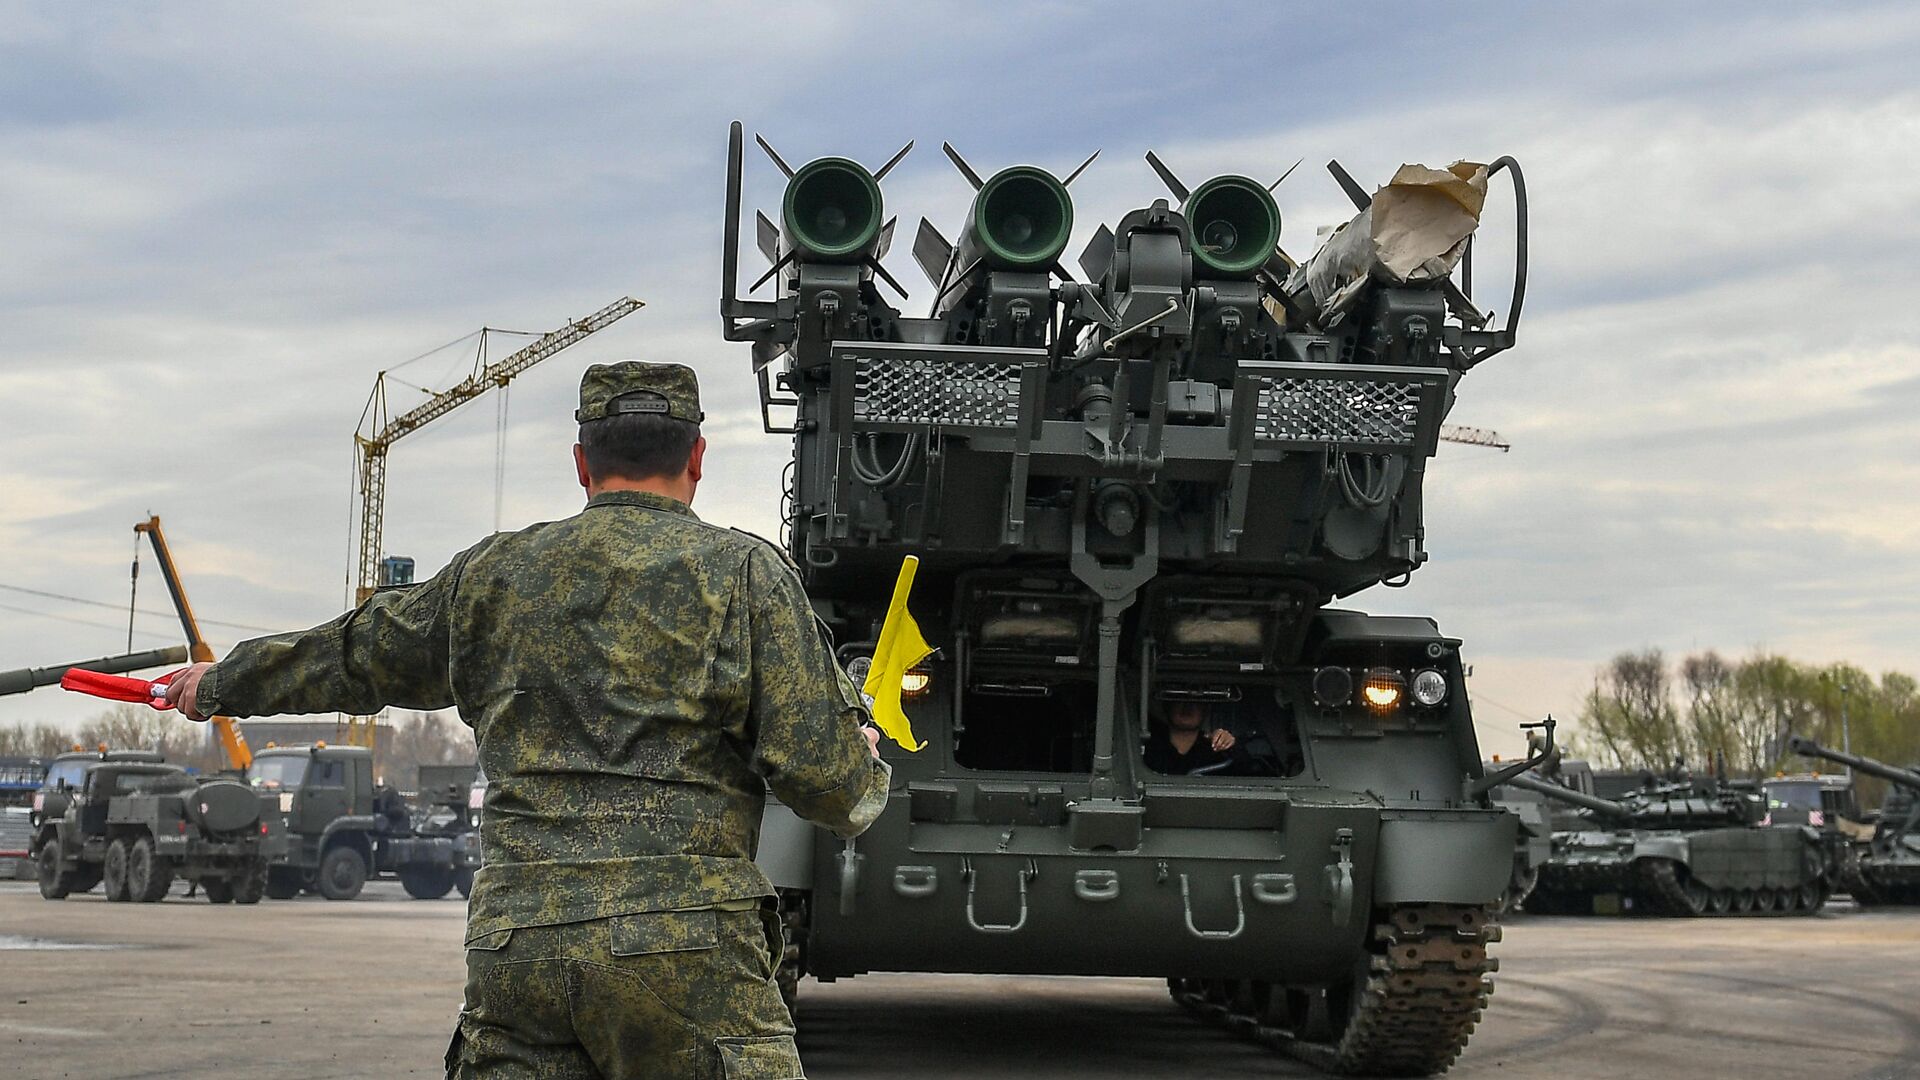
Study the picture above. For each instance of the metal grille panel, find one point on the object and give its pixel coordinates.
(917, 391)
(1338, 411)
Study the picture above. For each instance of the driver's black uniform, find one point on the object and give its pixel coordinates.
(1162, 758)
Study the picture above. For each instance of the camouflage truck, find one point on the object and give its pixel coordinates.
(343, 829)
(1135, 494)
(135, 826)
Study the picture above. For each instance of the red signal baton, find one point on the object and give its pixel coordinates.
(152, 692)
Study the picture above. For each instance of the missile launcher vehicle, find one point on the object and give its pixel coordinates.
(1677, 849)
(1885, 869)
(134, 826)
(1135, 493)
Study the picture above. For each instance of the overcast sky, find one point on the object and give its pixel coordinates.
(218, 222)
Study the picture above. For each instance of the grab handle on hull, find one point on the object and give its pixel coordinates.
(1027, 873)
(915, 882)
(1096, 886)
(1239, 912)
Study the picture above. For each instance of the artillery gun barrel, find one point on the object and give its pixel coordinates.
(1594, 803)
(24, 679)
(1809, 748)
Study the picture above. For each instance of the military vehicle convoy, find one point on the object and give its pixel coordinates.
(1677, 848)
(134, 826)
(342, 828)
(1135, 495)
(1885, 869)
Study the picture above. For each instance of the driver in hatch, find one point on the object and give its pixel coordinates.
(1186, 745)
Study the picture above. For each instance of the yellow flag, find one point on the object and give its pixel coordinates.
(900, 647)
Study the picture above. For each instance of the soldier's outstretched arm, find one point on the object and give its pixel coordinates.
(806, 712)
(391, 650)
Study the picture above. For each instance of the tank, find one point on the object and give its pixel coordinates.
(1677, 849)
(1885, 868)
(1136, 493)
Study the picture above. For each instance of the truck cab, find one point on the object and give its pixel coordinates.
(67, 773)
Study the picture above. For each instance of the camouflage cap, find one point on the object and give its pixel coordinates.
(633, 387)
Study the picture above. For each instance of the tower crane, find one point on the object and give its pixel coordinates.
(1473, 436)
(379, 430)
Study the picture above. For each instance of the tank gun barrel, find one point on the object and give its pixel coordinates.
(1605, 807)
(24, 679)
(1809, 748)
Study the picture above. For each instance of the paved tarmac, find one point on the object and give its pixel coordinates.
(310, 989)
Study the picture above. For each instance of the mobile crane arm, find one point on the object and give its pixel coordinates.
(232, 743)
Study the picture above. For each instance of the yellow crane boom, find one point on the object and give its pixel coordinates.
(232, 743)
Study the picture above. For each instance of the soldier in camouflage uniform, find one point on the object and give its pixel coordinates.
(636, 679)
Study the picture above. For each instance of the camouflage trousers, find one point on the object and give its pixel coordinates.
(664, 994)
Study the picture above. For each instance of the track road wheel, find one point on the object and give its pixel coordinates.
(115, 873)
(149, 875)
(463, 880)
(250, 882)
(428, 883)
(1743, 902)
(219, 890)
(342, 874)
(55, 883)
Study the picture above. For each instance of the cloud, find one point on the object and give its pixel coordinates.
(220, 228)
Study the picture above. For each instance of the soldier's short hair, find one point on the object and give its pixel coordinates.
(637, 445)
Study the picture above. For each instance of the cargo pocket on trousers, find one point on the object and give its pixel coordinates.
(766, 1057)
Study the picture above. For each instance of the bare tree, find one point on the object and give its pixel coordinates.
(426, 739)
(127, 726)
(1630, 710)
(35, 740)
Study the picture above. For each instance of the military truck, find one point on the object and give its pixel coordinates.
(1134, 494)
(135, 826)
(1679, 848)
(1885, 867)
(342, 828)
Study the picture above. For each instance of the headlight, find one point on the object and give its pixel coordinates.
(857, 669)
(915, 683)
(1429, 687)
(1383, 688)
(1333, 686)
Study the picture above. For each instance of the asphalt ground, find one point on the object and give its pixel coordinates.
(310, 989)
